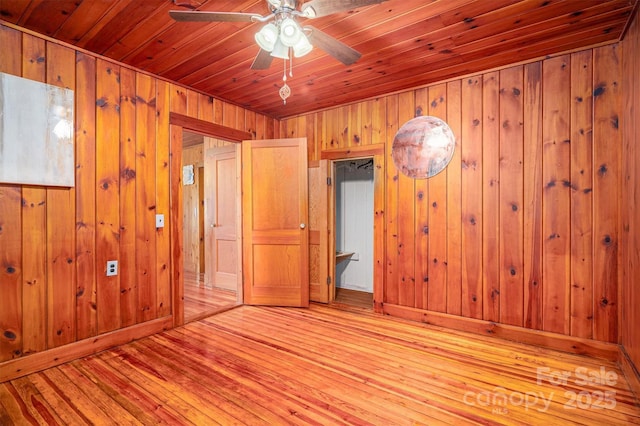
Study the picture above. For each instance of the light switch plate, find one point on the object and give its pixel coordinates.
(159, 221)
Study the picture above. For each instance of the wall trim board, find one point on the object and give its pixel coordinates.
(38, 361)
(630, 372)
(355, 152)
(209, 129)
(555, 341)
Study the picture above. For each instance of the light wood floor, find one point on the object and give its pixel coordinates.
(201, 302)
(360, 299)
(319, 366)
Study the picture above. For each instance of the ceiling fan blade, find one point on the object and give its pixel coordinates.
(319, 8)
(203, 16)
(332, 46)
(262, 61)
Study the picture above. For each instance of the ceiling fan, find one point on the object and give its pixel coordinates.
(284, 35)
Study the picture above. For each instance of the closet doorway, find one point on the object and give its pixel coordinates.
(210, 210)
(354, 231)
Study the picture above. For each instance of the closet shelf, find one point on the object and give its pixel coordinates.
(341, 256)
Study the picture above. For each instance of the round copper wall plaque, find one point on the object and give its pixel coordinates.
(423, 147)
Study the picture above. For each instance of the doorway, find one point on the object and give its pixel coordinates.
(354, 231)
(205, 292)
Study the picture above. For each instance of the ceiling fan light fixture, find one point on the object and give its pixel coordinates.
(280, 50)
(290, 32)
(302, 47)
(267, 37)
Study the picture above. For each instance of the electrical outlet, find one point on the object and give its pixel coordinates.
(112, 268)
(159, 221)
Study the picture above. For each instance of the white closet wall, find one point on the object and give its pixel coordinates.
(354, 223)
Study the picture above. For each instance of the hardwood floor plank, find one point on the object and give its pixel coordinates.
(245, 382)
(401, 382)
(201, 302)
(322, 366)
(68, 386)
(12, 407)
(331, 389)
(166, 380)
(154, 383)
(96, 396)
(32, 404)
(123, 393)
(64, 403)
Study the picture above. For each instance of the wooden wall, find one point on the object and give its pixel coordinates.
(54, 242)
(630, 196)
(522, 228)
(191, 210)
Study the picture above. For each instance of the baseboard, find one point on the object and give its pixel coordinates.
(630, 372)
(575, 345)
(28, 364)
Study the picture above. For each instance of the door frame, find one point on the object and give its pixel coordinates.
(377, 152)
(177, 124)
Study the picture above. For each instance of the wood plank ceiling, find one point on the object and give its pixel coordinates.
(404, 43)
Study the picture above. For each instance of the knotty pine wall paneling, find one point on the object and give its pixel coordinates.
(163, 200)
(581, 200)
(556, 193)
(436, 279)
(471, 195)
(55, 242)
(422, 222)
(511, 164)
(454, 203)
(533, 187)
(11, 269)
(145, 206)
(606, 181)
(108, 92)
(193, 155)
(405, 263)
(490, 146)
(128, 178)
(629, 196)
(392, 276)
(34, 222)
(522, 229)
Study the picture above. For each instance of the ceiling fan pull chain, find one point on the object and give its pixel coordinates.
(291, 67)
(285, 90)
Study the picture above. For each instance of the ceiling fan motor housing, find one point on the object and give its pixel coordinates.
(282, 4)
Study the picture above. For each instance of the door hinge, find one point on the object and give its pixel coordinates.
(328, 280)
(328, 181)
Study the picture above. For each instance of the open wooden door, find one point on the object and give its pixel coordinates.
(319, 276)
(275, 222)
(223, 254)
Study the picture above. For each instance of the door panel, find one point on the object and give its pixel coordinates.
(222, 218)
(318, 232)
(275, 222)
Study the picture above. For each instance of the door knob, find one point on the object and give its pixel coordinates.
(302, 226)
